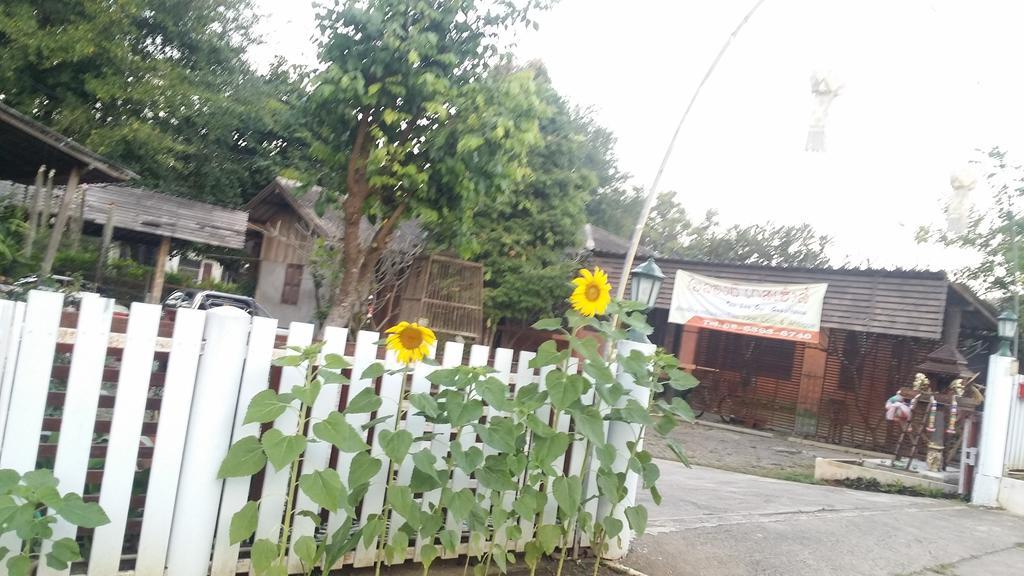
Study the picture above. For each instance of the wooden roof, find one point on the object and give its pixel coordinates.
(25, 144)
(897, 302)
(151, 212)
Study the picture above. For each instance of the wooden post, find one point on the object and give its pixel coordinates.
(156, 290)
(33, 213)
(688, 344)
(77, 221)
(108, 236)
(58, 226)
(812, 385)
(48, 204)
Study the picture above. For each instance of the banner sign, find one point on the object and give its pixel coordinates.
(783, 311)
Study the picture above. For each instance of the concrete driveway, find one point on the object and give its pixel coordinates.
(718, 523)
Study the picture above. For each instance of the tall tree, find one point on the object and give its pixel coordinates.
(987, 232)
(526, 239)
(671, 231)
(159, 85)
(407, 121)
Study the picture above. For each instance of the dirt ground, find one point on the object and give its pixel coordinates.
(774, 457)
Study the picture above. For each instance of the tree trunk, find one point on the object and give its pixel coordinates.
(58, 227)
(48, 208)
(108, 236)
(359, 262)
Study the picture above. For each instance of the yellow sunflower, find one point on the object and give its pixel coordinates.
(592, 294)
(410, 341)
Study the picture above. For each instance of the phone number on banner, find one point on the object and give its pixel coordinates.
(759, 330)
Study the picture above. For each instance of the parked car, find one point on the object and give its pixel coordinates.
(198, 299)
(70, 286)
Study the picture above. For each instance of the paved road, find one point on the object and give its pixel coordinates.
(718, 523)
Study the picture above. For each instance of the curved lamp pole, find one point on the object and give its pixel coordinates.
(652, 193)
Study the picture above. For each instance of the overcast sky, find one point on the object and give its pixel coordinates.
(924, 83)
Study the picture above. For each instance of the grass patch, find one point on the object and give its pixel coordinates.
(873, 485)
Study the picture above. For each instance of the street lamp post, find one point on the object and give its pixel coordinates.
(645, 284)
(995, 423)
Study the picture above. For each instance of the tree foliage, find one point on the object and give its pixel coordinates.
(987, 232)
(672, 232)
(161, 86)
(408, 120)
(526, 239)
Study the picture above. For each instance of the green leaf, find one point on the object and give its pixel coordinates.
(336, 430)
(548, 355)
(373, 528)
(331, 376)
(263, 554)
(396, 444)
(449, 540)
(532, 553)
(394, 551)
(590, 423)
(425, 403)
(655, 495)
(243, 523)
(428, 553)
(514, 532)
(637, 517)
(462, 411)
(342, 542)
(8, 479)
(324, 487)
(633, 413)
(244, 458)
(611, 485)
(679, 408)
(461, 503)
(664, 425)
(612, 526)
(600, 372)
(548, 324)
(306, 550)
(373, 423)
(466, 460)
(546, 449)
(606, 454)
(20, 565)
(682, 380)
(266, 406)
(638, 365)
(335, 362)
(307, 393)
(568, 492)
(364, 402)
(549, 536)
(38, 479)
(564, 389)
(424, 461)
(530, 502)
(81, 513)
(282, 450)
(291, 360)
(678, 451)
(401, 501)
(364, 467)
(4, 551)
(495, 393)
(375, 370)
(63, 553)
(499, 433)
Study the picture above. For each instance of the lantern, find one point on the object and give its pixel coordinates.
(646, 283)
(1006, 326)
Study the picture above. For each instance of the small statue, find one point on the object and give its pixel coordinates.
(900, 407)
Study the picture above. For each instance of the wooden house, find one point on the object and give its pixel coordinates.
(877, 326)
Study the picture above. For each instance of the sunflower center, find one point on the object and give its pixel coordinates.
(593, 292)
(411, 338)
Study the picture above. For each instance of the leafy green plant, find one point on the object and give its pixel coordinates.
(29, 506)
(492, 459)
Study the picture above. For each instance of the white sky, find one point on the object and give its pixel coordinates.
(925, 82)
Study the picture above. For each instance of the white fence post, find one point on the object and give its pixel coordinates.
(125, 433)
(255, 378)
(85, 377)
(619, 434)
(175, 406)
(209, 435)
(12, 315)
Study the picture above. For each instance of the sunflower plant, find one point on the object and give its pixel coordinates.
(491, 461)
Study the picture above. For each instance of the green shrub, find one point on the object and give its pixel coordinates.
(69, 263)
(127, 269)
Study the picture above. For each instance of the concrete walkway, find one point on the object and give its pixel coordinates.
(718, 523)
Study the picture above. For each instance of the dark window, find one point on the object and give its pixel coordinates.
(292, 283)
(851, 359)
(750, 356)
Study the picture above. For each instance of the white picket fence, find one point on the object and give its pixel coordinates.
(140, 422)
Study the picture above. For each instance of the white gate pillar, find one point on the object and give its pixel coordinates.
(995, 421)
(619, 434)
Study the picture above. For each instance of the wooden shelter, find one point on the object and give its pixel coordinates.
(447, 294)
(877, 326)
